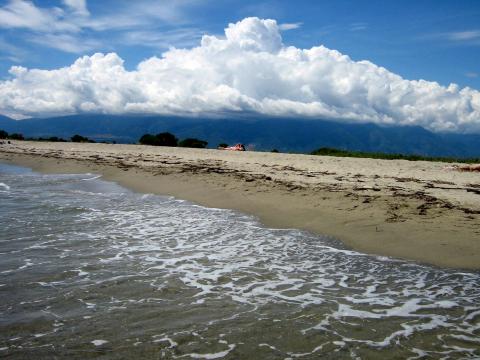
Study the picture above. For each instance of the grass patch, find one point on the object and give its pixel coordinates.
(325, 151)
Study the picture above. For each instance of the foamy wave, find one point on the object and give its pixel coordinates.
(228, 255)
(91, 178)
(219, 282)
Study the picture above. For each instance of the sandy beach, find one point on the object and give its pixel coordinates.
(423, 211)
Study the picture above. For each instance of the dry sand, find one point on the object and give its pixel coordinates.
(414, 210)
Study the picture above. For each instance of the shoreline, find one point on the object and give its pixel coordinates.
(411, 210)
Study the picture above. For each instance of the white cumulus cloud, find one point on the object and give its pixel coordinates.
(247, 70)
(290, 26)
(79, 7)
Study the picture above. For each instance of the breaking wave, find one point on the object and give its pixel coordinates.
(175, 279)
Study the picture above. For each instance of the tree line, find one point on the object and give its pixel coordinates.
(161, 139)
(17, 136)
(14, 136)
(326, 151)
(168, 139)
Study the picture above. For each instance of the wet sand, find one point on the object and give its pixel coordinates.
(422, 211)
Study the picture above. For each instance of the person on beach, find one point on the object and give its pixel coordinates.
(237, 147)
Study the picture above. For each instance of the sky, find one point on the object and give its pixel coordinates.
(393, 62)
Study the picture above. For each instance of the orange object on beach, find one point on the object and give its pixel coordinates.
(237, 147)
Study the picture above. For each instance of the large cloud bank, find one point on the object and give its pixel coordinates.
(248, 70)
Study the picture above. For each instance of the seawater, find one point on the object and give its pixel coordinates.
(89, 269)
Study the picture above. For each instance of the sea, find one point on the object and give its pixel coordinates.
(89, 269)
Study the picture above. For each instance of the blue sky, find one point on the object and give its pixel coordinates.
(436, 40)
(387, 62)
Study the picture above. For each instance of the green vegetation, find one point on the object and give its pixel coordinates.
(16, 136)
(168, 139)
(49, 139)
(274, 151)
(52, 139)
(377, 155)
(222, 145)
(162, 139)
(148, 139)
(80, 139)
(193, 143)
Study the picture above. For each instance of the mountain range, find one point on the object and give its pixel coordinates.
(259, 133)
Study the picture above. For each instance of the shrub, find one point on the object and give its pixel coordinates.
(80, 139)
(162, 139)
(222, 145)
(167, 139)
(325, 151)
(193, 143)
(274, 151)
(16, 136)
(56, 139)
(3, 134)
(148, 139)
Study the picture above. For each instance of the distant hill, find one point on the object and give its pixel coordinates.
(286, 135)
(4, 120)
